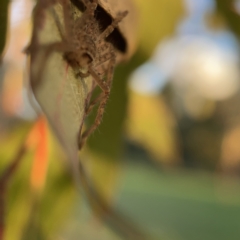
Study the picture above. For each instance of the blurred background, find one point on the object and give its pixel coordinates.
(168, 150)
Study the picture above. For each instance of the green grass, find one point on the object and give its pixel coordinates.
(182, 205)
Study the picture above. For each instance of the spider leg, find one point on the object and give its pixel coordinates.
(108, 56)
(67, 17)
(113, 25)
(94, 102)
(57, 21)
(105, 86)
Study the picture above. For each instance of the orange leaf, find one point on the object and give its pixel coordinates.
(40, 162)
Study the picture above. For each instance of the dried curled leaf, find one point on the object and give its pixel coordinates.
(127, 28)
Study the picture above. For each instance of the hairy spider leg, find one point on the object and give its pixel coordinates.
(105, 86)
(103, 59)
(113, 25)
(58, 24)
(68, 18)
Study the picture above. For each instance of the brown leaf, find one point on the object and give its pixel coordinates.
(128, 27)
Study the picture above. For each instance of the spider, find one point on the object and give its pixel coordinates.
(84, 47)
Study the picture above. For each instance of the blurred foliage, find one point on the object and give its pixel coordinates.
(42, 213)
(157, 20)
(182, 205)
(3, 24)
(153, 126)
(232, 18)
